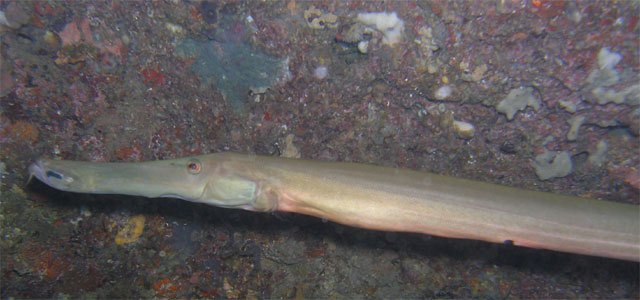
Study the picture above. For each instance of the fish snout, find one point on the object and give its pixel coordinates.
(36, 170)
(40, 169)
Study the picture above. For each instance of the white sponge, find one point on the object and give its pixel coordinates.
(388, 24)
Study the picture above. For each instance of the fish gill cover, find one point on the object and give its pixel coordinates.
(230, 64)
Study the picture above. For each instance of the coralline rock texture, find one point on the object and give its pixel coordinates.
(234, 68)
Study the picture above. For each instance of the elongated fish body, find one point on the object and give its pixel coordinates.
(367, 196)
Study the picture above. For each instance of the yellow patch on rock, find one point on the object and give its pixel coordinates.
(131, 231)
(316, 19)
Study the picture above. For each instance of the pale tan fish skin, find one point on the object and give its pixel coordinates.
(369, 197)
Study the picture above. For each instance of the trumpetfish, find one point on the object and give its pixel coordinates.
(367, 196)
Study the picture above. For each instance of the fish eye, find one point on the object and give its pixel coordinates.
(194, 166)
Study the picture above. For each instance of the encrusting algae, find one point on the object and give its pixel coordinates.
(131, 231)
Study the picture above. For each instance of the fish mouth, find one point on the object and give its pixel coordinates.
(47, 175)
(36, 170)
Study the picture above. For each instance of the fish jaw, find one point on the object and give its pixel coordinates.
(55, 179)
(167, 178)
(217, 180)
